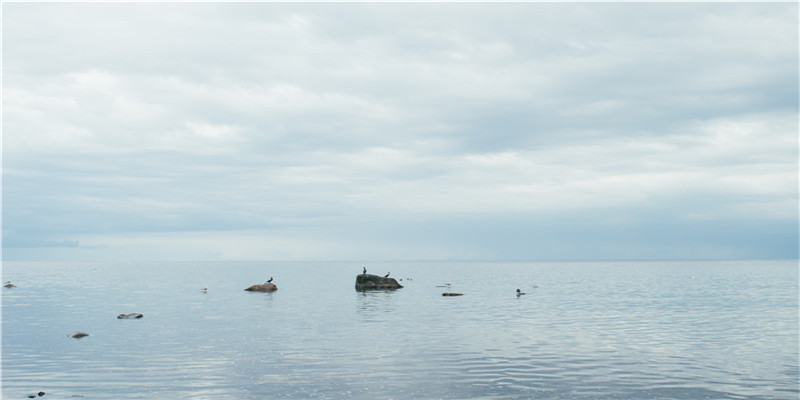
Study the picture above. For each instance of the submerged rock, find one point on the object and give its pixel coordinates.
(262, 287)
(77, 335)
(130, 316)
(375, 282)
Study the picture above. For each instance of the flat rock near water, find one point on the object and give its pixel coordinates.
(130, 316)
(262, 287)
(375, 282)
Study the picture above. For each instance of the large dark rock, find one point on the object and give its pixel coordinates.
(375, 282)
(262, 287)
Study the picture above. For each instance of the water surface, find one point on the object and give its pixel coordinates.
(585, 330)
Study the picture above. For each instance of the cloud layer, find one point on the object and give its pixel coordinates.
(400, 131)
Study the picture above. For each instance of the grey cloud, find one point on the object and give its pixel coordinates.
(184, 117)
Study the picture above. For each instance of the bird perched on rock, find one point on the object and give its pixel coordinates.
(365, 270)
(270, 280)
(387, 275)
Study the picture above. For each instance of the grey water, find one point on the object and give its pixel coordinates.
(584, 330)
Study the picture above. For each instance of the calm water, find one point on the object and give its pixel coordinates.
(629, 330)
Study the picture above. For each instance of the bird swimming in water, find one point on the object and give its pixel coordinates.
(270, 280)
(519, 292)
(387, 275)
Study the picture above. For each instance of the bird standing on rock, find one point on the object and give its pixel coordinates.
(365, 270)
(387, 275)
(270, 280)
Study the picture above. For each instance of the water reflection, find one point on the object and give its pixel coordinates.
(374, 305)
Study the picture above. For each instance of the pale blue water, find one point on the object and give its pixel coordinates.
(626, 330)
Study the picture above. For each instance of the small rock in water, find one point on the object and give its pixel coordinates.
(263, 287)
(452, 294)
(33, 396)
(130, 316)
(77, 335)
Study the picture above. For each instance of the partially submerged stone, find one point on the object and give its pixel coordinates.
(375, 282)
(452, 294)
(262, 287)
(130, 316)
(77, 335)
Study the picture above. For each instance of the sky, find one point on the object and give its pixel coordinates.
(391, 131)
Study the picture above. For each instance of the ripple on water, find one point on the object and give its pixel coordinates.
(624, 331)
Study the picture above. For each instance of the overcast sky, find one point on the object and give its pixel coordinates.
(388, 131)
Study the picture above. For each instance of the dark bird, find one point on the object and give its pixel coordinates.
(365, 270)
(270, 280)
(387, 275)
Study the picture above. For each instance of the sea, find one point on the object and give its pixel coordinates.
(582, 330)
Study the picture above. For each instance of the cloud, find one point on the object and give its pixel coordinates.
(345, 124)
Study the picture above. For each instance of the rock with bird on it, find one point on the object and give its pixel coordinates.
(375, 282)
(263, 287)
